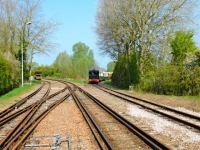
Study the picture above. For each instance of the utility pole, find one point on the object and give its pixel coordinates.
(22, 49)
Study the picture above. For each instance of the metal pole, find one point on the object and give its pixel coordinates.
(28, 24)
(22, 61)
(22, 49)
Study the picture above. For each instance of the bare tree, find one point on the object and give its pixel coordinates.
(7, 26)
(39, 34)
(139, 26)
(8, 36)
(14, 31)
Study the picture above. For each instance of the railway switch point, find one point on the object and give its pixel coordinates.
(55, 144)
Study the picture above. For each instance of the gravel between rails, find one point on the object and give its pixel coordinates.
(179, 137)
(67, 120)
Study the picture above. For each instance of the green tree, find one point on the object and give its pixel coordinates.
(8, 79)
(16, 32)
(63, 65)
(47, 71)
(110, 66)
(125, 72)
(182, 44)
(82, 59)
(34, 65)
(197, 54)
(139, 28)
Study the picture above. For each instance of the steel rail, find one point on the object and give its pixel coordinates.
(162, 113)
(152, 103)
(84, 110)
(14, 115)
(11, 136)
(18, 140)
(149, 140)
(19, 103)
(31, 126)
(19, 112)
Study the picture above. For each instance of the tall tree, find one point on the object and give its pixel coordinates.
(110, 66)
(181, 45)
(39, 34)
(138, 27)
(83, 59)
(63, 65)
(16, 34)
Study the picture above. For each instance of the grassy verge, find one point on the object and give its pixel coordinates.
(80, 81)
(108, 82)
(192, 97)
(19, 91)
(77, 81)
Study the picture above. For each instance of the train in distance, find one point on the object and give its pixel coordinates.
(95, 76)
(38, 75)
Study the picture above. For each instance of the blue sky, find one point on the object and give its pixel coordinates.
(77, 18)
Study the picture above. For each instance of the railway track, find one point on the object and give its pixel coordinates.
(11, 116)
(111, 128)
(16, 126)
(115, 130)
(19, 103)
(176, 130)
(171, 113)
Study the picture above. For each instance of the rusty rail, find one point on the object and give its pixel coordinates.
(19, 103)
(158, 105)
(17, 136)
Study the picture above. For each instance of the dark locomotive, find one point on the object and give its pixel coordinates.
(94, 76)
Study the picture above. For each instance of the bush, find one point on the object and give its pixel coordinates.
(6, 84)
(125, 72)
(172, 80)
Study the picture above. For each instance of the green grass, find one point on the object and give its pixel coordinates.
(109, 83)
(76, 81)
(193, 97)
(19, 91)
(80, 81)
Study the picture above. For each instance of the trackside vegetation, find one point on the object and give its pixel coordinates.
(23, 32)
(8, 77)
(152, 44)
(179, 76)
(18, 91)
(75, 66)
